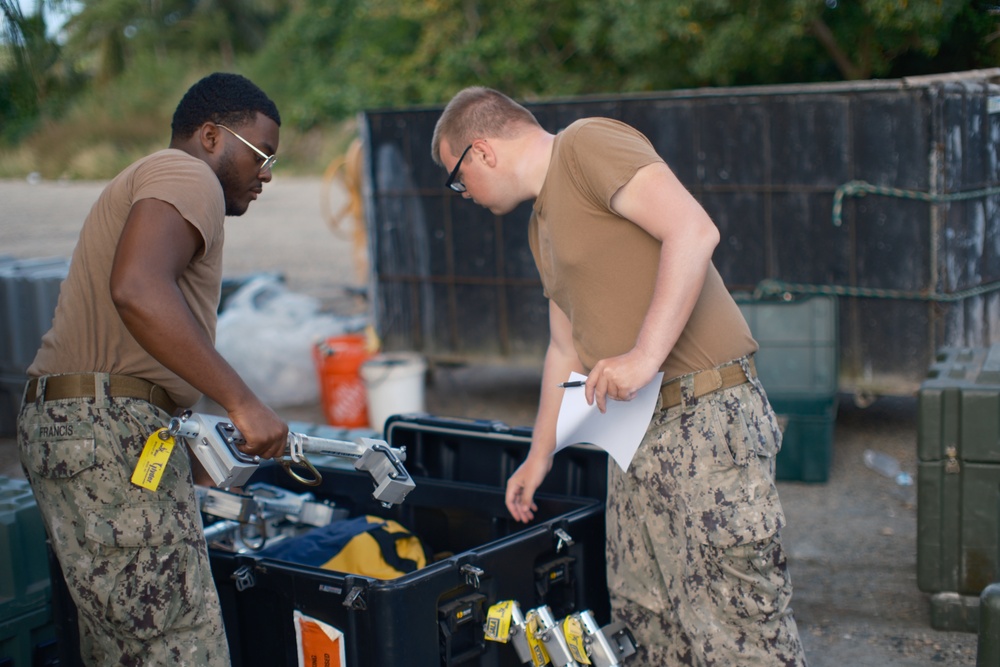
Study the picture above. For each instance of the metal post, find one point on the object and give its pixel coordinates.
(988, 653)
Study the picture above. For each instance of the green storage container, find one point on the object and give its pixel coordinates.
(958, 474)
(29, 640)
(798, 341)
(24, 573)
(807, 438)
(798, 365)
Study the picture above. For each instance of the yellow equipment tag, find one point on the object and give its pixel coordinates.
(539, 656)
(573, 631)
(153, 460)
(498, 621)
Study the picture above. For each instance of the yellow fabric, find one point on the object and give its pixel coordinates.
(363, 555)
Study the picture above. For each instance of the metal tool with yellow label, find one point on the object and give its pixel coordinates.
(215, 441)
(575, 642)
(537, 652)
(604, 647)
(551, 634)
(505, 623)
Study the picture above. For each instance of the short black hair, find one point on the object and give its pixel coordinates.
(229, 99)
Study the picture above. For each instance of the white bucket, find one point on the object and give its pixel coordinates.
(394, 382)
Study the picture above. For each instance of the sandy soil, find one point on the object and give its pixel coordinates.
(851, 541)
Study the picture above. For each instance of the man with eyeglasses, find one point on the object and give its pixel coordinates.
(132, 341)
(694, 559)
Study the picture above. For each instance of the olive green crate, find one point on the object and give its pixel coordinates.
(958, 474)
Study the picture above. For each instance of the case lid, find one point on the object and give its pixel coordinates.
(487, 452)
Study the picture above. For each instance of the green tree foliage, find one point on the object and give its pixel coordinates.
(324, 60)
(351, 54)
(112, 34)
(32, 76)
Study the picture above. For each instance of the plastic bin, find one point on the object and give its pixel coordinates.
(29, 640)
(24, 574)
(807, 427)
(29, 291)
(798, 342)
(798, 365)
(11, 391)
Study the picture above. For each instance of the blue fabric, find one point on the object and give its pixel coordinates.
(321, 544)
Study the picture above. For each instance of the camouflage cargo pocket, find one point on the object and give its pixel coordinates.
(131, 547)
(749, 430)
(746, 582)
(59, 451)
(635, 572)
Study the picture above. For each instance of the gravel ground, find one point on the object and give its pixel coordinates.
(851, 541)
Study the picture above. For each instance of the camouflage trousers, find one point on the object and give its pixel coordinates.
(695, 564)
(135, 561)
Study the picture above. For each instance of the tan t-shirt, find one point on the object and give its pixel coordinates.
(600, 268)
(87, 335)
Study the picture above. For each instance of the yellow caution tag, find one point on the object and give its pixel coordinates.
(573, 631)
(498, 621)
(153, 460)
(539, 656)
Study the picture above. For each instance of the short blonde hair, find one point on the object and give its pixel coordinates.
(478, 113)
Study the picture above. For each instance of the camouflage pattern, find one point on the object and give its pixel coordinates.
(135, 561)
(695, 564)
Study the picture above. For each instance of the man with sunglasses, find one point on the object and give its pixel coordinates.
(695, 565)
(132, 340)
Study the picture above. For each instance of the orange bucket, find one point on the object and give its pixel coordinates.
(342, 390)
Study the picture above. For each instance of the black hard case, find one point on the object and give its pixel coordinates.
(433, 616)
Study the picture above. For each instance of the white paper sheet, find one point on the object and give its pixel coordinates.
(618, 431)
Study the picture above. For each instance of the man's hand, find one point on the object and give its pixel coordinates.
(522, 485)
(266, 434)
(620, 378)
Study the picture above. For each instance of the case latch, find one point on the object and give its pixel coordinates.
(243, 576)
(564, 539)
(354, 600)
(472, 574)
(951, 466)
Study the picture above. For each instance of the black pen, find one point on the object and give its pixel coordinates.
(574, 383)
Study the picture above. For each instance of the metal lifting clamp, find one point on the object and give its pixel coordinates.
(215, 442)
